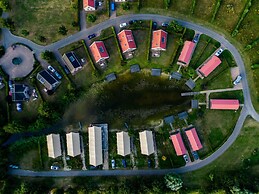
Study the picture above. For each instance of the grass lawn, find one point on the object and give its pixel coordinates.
(204, 9)
(228, 14)
(38, 17)
(140, 55)
(229, 95)
(133, 8)
(182, 6)
(3, 106)
(213, 127)
(152, 4)
(233, 159)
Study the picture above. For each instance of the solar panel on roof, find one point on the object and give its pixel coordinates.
(163, 39)
(72, 59)
(101, 49)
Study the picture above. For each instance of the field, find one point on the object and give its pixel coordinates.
(37, 17)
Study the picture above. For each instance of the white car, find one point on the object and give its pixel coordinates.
(219, 52)
(237, 80)
(186, 158)
(122, 25)
(54, 167)
(51, 69)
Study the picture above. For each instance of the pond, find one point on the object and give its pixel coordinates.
(135, 99)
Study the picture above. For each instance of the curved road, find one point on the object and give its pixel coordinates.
(248, 108)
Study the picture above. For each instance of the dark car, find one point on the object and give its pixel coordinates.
(10, 84)
(132, 21)
(196, 38)
(154, 25)
(165, 24)
(91, 36)
(149, 163)
(124, 164)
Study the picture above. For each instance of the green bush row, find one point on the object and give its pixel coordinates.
(167, 3)
(108, 8)
(149, 39)
(3, 74)
(106, 37)
(246, 10)
(117, 43)
(88, 56)
(252, 44)
(255, 66)
(178, 48)
(216, 9)
(193, 6)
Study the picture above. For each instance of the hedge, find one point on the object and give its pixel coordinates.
(193, 6)
(255, 66)
(149, 39)
(216, 9)
(246, 10)
(88, 56)
(252, 44)
(167, 3)
(108, 8)
(3, 74)
(117, 43)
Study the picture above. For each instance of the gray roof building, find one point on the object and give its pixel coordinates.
(176, 75)
(48, 80)
(20, 92)
(110, 77)
(190, 83)
(134, 68)
(169, 119)
(156, 72)
(183, 115)
(72, 62)
(194, 103)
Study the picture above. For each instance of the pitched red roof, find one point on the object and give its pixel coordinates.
(159, 39)
(187, 51)
(126, 40)
(89, 3)
(178, 144)
(193, 139)
(224, 104)
(210, 65)
(99, 51)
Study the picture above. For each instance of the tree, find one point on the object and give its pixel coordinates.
(14, 127)
(8, 23)
(74, 24)
(126, 6)
(4, 4)
(173, 182)
(47, 55)
(25, 32)
(62, 30)
(41, 38)
(91, 18)
(22, 190)
(174, 27)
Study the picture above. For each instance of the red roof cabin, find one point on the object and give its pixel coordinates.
(224, 104)
(159, 40)
(178, 143)
(186, 54)
(99, 51)
(126, 40)
(193, 139)
(209, 66)
(89, 5)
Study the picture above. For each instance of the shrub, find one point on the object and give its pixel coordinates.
(167, 3)
(255, 66)
(41, 38)
(8, 23)
(216, 9)
(62, 30)
(47, 55)
(125, 6)
(2, 51)
(91, 18)
(4, 5)
(193, 6)
(25, 32)
(174, 27)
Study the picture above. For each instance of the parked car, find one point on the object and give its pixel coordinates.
(10, 84)
(154, 25)
(19, 107)
(196, 38)
(219, 52)
(149, 163)
(13, 166)
(124, 164)
(113, 164)
(195, 155)
(122, 25)
(237, 80)
(91, 36)
(58, 75)
(51, 69)
(165, 24)
(186, 158)
(132, 21)
(100, 3)
(54, 167)
(112, 6)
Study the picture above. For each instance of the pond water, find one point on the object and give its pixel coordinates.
(134, 98)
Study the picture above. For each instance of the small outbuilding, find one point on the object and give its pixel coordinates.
(169, 119)
(195, 104)
(95, 146)
(190, 84)
(176, 75)
(134, 68)
(183, 115)
(110, 77)
(123, 143)
(156, 72)
(54, 146)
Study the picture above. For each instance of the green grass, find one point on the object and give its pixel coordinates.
(38, 17)
(133, 9)
(233, 159)
(229, 95)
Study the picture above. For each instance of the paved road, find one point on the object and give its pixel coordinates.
(248, 108)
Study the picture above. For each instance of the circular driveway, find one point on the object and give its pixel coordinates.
(22, 69)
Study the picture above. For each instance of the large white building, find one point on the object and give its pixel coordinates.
(146, 142)
(54, 147)
(123, 143)
(73, 144)
(95, 146)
